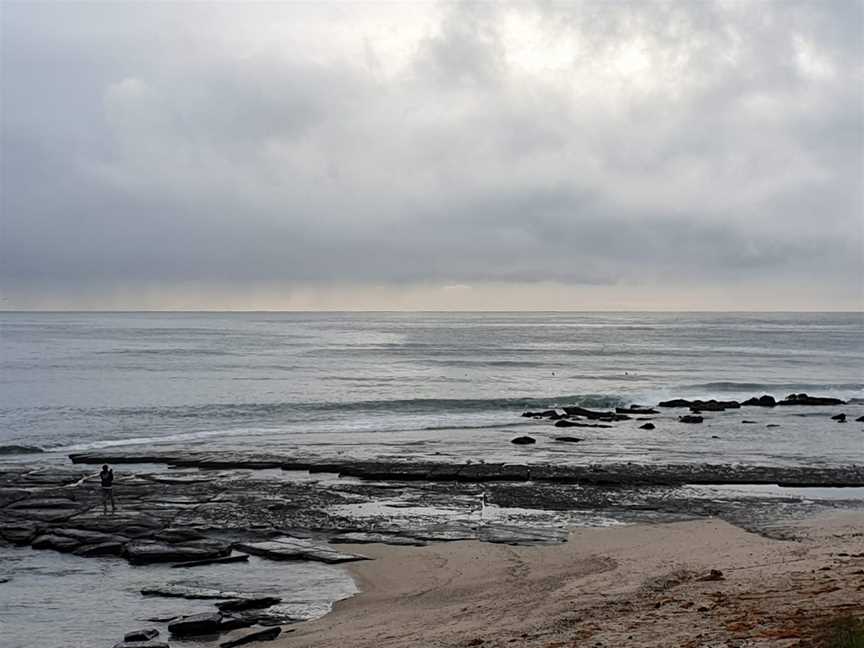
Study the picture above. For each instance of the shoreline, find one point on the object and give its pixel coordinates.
(641, 585)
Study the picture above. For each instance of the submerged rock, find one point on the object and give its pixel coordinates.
(647, 426)
(141, 635)
(840, 418)
(564, 423)
(690, 418)
(237, 605)
(523, 440)
(19, 449)
(636, 409)
(543, 414)
(193, 593)
(568, 439)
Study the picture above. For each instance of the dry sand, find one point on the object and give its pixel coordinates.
(623, 586)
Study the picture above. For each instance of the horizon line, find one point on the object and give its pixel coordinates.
(416, 310)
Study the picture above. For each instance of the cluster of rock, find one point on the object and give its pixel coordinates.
(573, 416)
(760, 401)
(209, 625)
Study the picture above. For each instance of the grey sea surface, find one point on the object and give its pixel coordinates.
(413, 384)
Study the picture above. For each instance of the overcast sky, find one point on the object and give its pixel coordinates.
(414, 155)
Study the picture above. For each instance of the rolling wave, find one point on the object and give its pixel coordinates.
(315, 410)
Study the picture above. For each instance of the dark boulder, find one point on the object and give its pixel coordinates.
(647, 426)
(523, 440)
(713, 405)
(675, 402)
(563, 423)
(141, 644)
(840, 418)
(267, 634)
(762, 401)
(543, 414)
(595, 415)
(745, 422)
(195, 624)
(141, 635)
(804, 399)
(690, 418)
(860, 419)
(568, 439)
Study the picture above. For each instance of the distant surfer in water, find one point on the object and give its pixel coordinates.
(107, 479)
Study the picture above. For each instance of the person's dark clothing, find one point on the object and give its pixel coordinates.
(107, 478)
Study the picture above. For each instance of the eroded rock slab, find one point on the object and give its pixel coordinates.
(142, 552)
(252, 603)
(176, 590)
(360, 537)
(287, 548)
(267, 634)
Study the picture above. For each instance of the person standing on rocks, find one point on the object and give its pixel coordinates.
(107, 478)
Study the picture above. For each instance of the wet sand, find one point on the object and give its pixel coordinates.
(635, 586)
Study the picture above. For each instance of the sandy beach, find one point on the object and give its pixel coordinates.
(642, 585)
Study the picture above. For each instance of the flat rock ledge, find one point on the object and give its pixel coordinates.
(594, 474)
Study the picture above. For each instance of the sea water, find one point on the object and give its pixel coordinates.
(428, 384)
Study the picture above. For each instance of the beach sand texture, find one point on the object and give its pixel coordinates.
(645, 585)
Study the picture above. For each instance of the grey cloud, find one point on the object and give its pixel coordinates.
(131, 155)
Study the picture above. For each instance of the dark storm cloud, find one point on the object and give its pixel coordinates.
(584, 144)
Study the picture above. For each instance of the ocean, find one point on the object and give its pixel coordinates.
(442, 386)
(416, 384)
